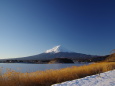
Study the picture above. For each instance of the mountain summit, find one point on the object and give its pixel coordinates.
(57, 49)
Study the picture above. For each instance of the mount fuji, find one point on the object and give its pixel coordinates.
(57, 52)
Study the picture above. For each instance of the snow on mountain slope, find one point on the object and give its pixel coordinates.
(57, 49)
(104, 79)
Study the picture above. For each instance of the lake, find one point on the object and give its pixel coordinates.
(21, 67)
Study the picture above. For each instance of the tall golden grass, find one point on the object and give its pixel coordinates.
(49, 77)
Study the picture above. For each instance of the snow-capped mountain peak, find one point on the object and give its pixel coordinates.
(57, 49)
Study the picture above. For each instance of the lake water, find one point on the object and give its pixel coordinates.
(21, 67)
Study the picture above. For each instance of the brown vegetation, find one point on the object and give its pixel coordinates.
(49, 77)
(111, 58)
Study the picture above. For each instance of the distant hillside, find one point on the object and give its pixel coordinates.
(99, 58)
(60, 60)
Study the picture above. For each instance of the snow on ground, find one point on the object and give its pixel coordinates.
(104, 79)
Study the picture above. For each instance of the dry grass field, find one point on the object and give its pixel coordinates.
(49, 77)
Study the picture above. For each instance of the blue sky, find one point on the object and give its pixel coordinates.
(29, 27)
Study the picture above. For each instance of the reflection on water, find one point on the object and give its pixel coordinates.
(34, 67)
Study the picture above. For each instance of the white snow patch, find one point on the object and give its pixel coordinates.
(57, 49)
(103, 79)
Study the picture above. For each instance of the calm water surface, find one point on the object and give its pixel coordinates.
(21, 67)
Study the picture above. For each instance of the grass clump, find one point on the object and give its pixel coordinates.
(49, 77)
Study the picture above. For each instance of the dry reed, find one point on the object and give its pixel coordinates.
(49, 77)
